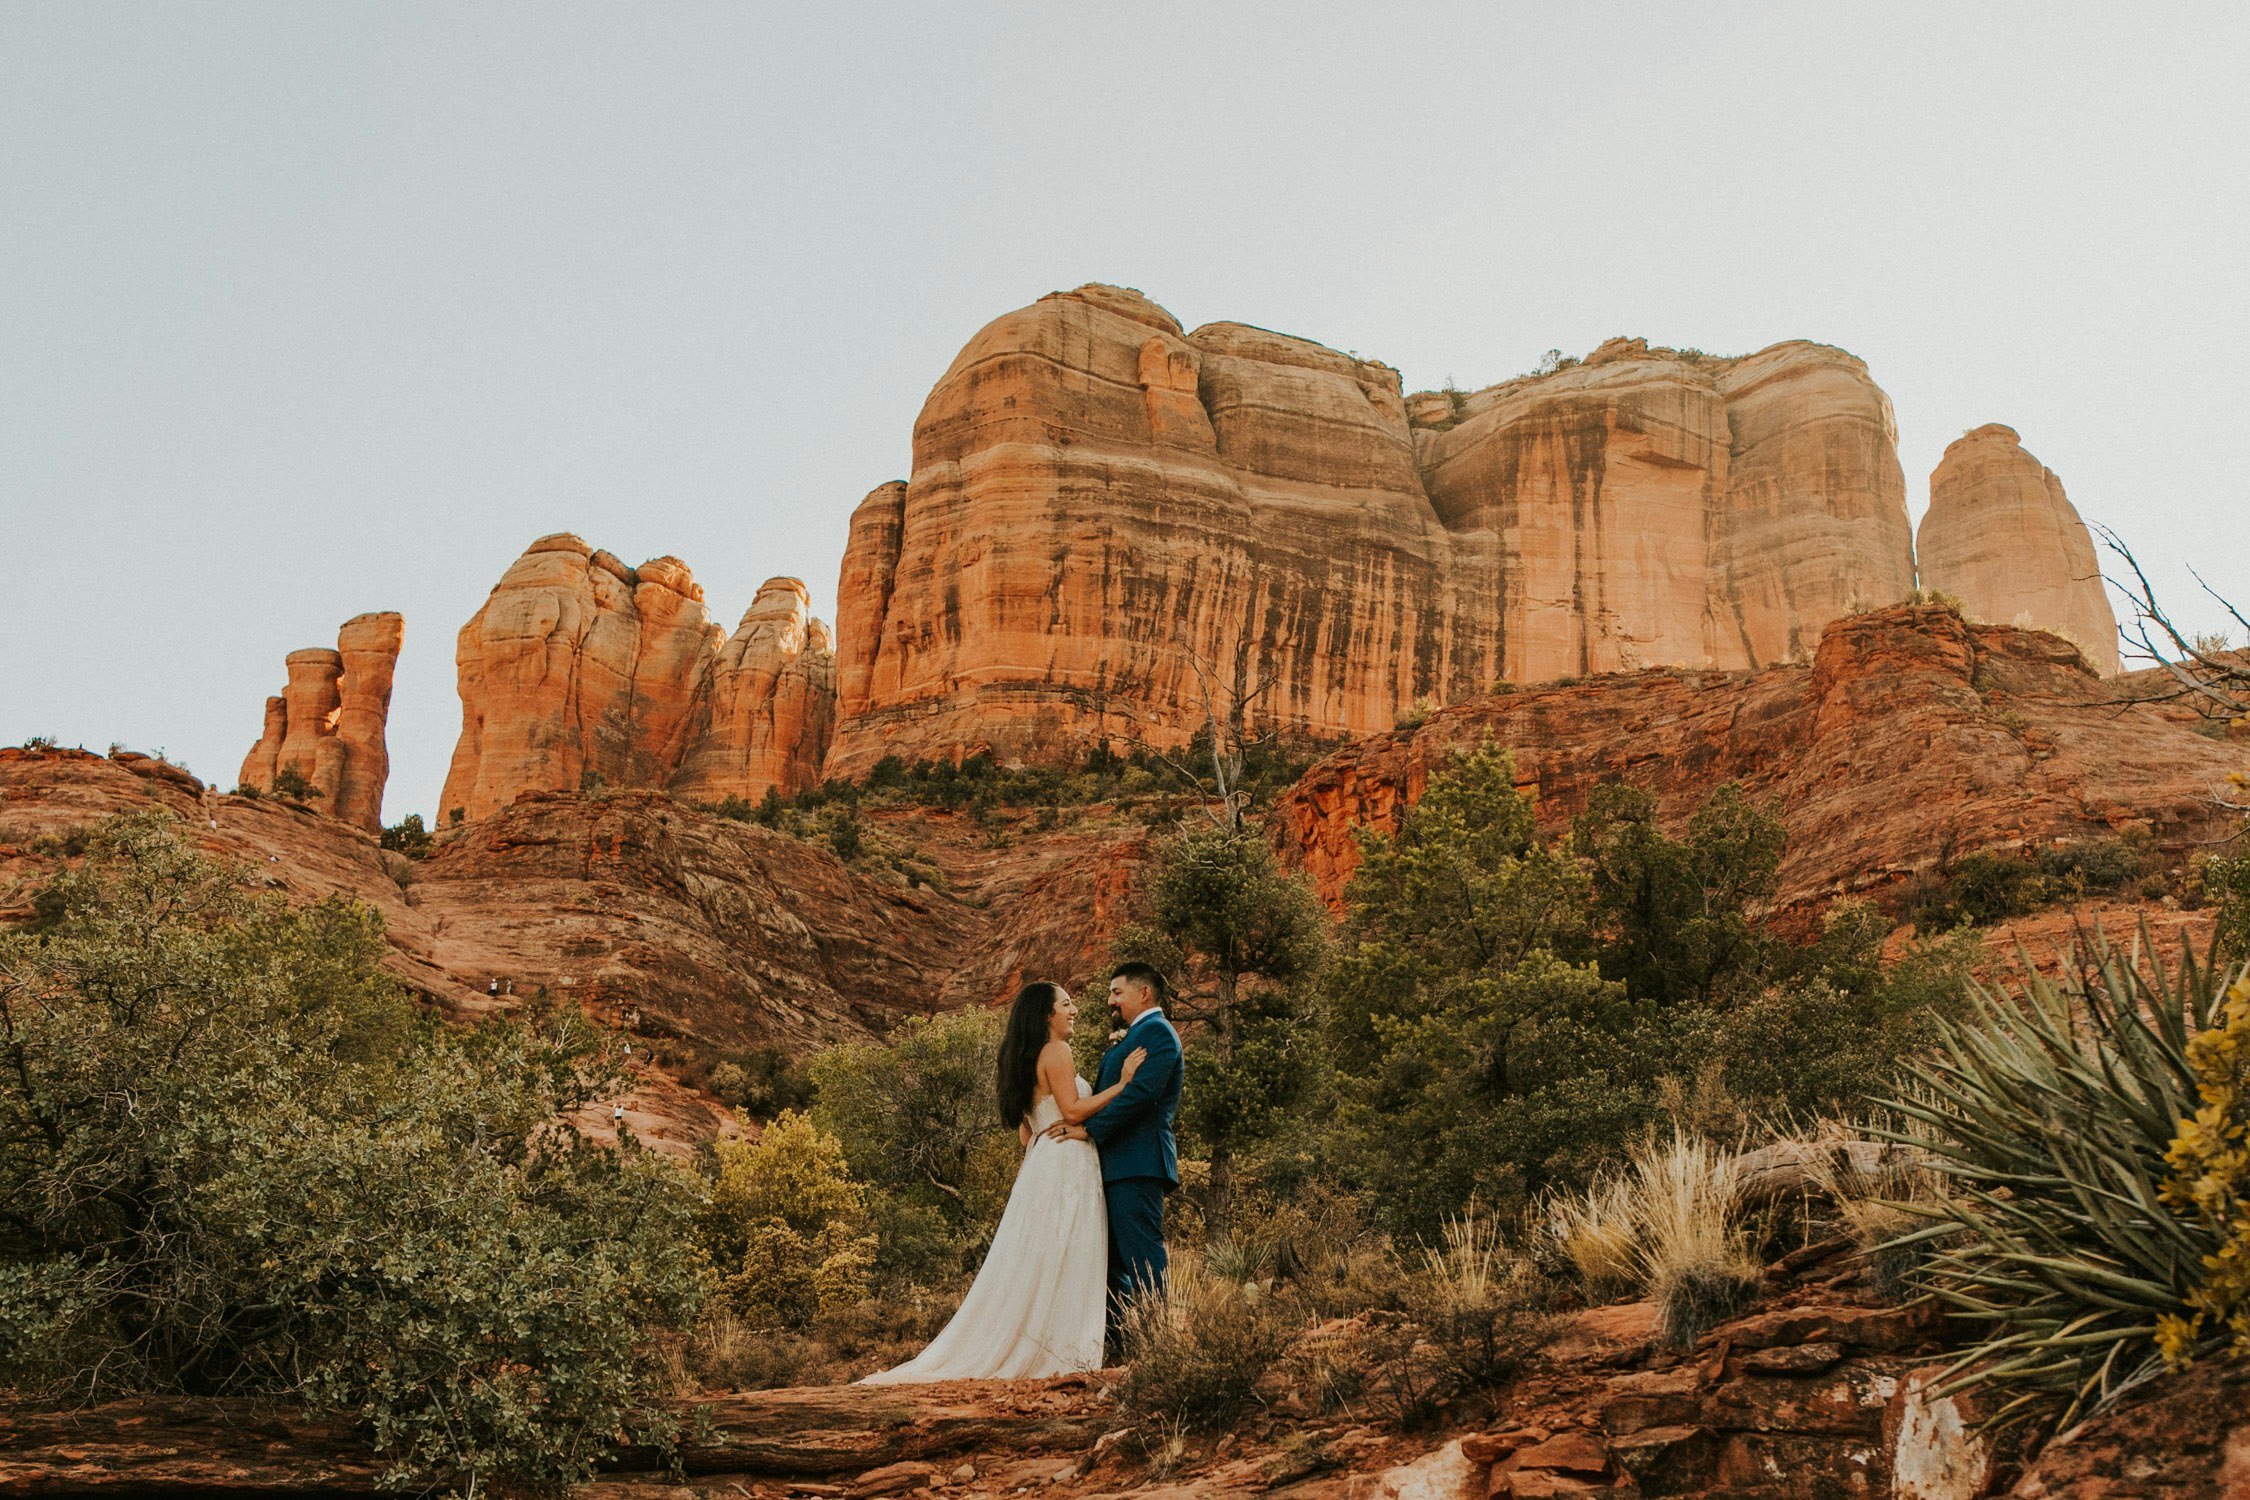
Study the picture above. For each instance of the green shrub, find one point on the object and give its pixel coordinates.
(408, 837)
(761, 1082)
(2048, 1113)
(236, 1161)
(290, 784)
(1678, 916)
(1478, 1051)
(914, 1116)
(786, 1224)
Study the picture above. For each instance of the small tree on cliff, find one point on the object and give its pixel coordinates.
(1243, 939)
(290, 783)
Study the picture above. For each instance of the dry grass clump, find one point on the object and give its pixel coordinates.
(1455, 1320)
(1599, 1233)
(1194, 1354)
(1668, 1227)
(1880, 1193)
(1696, 1258)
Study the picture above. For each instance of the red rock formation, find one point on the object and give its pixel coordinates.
(369, 647)
(580, 671)
(327, 725)
(1106, 510)
(576, 668)
(770, 698)
(1913, 737)
(2002, 537)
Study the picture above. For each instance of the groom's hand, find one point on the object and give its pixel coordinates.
(1063, 1130)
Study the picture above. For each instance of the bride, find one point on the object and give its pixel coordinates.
(1036, 1307)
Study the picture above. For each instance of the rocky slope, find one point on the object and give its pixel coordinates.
(1912, 737)
(696, 931)
(327, 724)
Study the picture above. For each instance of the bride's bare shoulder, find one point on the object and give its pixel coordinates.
(1054, 1051)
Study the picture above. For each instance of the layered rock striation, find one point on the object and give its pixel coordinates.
(2002, 537)
(581, 672)
(1117, 529)
(1112, 521)
(769, 703)
(327, 724)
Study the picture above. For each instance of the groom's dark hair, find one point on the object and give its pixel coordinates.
(1148, 974)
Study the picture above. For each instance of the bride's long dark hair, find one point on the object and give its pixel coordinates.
(1018, 1073)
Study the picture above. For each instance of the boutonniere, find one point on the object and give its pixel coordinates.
(1117, 1036)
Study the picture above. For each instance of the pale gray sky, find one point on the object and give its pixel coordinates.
(313, 309)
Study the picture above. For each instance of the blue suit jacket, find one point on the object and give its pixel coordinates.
(1134, 1131)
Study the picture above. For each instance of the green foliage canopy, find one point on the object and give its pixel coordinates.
(233, 1159)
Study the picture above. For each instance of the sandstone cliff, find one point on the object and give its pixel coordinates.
(580, 671)
(1106, 510)
(327, 725)
(2002, 537)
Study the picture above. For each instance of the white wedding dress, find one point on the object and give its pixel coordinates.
(1036, 1307)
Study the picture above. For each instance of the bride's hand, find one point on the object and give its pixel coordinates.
(1133, 1061)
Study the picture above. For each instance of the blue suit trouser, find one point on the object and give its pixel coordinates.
(1136, 1239)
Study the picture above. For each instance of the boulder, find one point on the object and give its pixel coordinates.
(1936, 1450)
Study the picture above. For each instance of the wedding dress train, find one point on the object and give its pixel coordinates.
(1035, 1308)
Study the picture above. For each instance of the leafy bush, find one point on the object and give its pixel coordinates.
(2210, 1161)
(290, 783)
(1831, 1024)
(1678, 917)
(761, 1082)
(2049, 1113)
(408, 837)
(786, 1224)
(1988, 887)
(914, 1116)
(235, 1161)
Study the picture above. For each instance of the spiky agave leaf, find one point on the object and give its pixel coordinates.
(2047, 1113)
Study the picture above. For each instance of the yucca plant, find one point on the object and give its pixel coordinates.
(2047, 1113)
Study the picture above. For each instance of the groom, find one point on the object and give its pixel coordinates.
(1140, 1164)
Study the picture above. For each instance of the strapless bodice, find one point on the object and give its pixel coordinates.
(1046, 1112)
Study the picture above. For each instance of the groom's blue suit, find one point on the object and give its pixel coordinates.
(1140, 1163)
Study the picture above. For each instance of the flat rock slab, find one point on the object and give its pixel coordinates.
(836, 1434)
(850, 1429)
(179, 1447)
